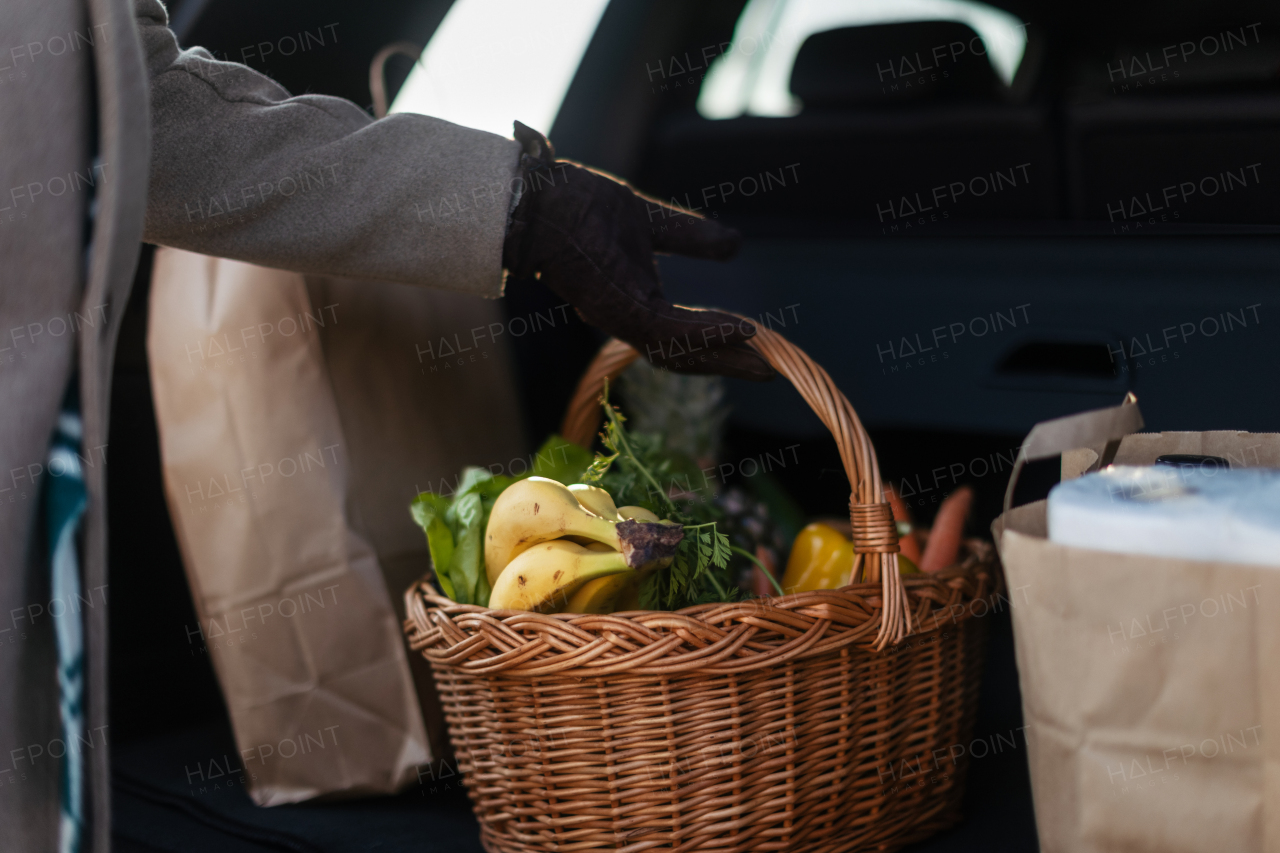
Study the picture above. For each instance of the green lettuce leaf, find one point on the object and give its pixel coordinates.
(467, 566)
(561, 460)
(429, 512)
(455, 524)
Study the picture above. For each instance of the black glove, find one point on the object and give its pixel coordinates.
(591, 239)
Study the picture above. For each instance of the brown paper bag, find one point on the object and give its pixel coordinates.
(295, 427)
(1149, 685)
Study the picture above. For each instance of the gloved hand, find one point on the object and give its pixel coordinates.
(591, 239)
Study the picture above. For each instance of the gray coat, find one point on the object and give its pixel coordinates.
(194, 153)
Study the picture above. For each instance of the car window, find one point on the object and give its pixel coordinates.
(945, 117)
(752, 78)
(492, 61)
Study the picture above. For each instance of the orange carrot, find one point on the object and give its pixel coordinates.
(943, 547)
(760, 584)
(909, 544)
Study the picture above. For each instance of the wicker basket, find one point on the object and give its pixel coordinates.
(819, 721)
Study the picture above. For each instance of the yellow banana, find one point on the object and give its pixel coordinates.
(596, 500)
(637, 513)
(603, 595)
(537, 509)
(600, 595)
(616, 592)
(544, 576)
(534, 510)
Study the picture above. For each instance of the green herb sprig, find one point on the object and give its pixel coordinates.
(632, 471)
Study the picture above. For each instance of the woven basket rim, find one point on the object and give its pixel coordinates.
(710, 638)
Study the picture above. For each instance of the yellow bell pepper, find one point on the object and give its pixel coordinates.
(821, 558)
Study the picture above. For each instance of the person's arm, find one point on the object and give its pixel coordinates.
(240, 169)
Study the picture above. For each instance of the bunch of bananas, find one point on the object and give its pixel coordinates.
(556, 548)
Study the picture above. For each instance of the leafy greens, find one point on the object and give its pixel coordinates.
(633, 470)
(455, 523)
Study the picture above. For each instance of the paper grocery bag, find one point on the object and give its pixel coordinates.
(1150, 686)
(296, 424)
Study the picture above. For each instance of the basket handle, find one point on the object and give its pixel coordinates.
(875, 535)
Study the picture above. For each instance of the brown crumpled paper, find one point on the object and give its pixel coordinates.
(1148, 684)
(294, 431)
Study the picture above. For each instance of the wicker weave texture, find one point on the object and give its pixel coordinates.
(579, 732)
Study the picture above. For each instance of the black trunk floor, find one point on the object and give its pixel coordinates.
(173, 793)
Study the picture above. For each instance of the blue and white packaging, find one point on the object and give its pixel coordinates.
(1187, 512)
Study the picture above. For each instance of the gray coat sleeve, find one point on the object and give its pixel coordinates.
(239, 169)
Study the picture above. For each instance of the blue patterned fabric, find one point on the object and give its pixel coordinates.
(64, 505)
(65, 500)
